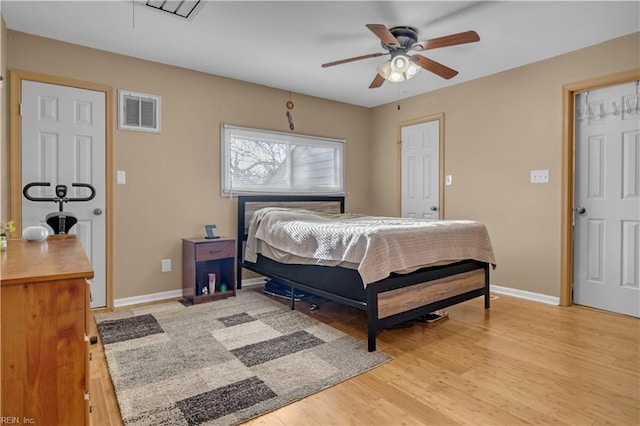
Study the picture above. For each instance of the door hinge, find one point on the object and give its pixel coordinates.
(20, 110)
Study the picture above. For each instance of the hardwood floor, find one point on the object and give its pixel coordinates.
(521, 362)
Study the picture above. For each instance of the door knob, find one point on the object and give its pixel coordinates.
(434, 208)
(97, 211)
(581, 210)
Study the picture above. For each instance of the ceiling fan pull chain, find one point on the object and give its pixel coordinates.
(133, 14)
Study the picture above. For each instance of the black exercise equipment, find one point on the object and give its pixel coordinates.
(60, 221)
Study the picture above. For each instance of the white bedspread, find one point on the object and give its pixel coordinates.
(379, 245)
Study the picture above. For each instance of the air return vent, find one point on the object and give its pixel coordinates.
(138, 111)
(181, 9)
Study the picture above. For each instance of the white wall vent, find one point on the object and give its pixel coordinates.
(180, 9)
(138, 111)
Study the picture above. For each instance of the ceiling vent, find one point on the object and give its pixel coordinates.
(182, 9)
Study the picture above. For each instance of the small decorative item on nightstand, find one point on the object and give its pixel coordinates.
(209, 230)
(212, 283)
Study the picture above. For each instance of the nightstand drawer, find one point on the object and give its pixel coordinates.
(215, 250)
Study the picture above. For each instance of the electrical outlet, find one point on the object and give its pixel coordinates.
(539, 176)
(166, 265)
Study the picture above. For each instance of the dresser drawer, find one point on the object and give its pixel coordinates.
(215, 250)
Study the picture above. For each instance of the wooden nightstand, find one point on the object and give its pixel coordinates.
(202, 257)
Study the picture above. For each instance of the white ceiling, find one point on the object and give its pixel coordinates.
(282, 44)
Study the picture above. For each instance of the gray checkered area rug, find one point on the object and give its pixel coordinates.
(222, 362)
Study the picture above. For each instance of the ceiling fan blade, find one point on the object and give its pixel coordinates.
(377, 82)
(435, 67)
(384, 34)
(356, 58)
(450, 40)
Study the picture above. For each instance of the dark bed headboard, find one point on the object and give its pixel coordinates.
(248, 204)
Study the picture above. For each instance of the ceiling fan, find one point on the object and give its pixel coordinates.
(399, 41)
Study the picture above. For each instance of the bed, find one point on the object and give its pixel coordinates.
(387, 298)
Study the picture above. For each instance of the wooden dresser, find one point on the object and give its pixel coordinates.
(44, 313)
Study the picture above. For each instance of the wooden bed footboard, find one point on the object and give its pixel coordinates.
(388, 304)
(406, 298)
(393, 300)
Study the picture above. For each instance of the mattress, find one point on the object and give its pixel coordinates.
(374, 246)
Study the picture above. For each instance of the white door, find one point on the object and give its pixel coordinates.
(63, 142)
(421, 170)
(607, 201)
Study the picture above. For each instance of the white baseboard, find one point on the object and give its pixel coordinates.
(145, 298)
(523, 294)
(254, 282)
(156, 297)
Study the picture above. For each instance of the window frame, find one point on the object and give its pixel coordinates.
(226, 187)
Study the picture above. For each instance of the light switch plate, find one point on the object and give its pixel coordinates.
(121, 177)
(539, 176)
(448, 180)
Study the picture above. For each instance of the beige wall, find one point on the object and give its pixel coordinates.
(498, 129)
(173, 178)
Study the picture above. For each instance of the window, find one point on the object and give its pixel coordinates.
(260, 161)
(139, 111)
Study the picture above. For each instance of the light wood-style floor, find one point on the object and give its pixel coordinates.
(521, 362)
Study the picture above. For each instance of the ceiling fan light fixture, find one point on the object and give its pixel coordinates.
(398, 69)
(399, 63)
(396, 77)
(384, 69)
(412, 70)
